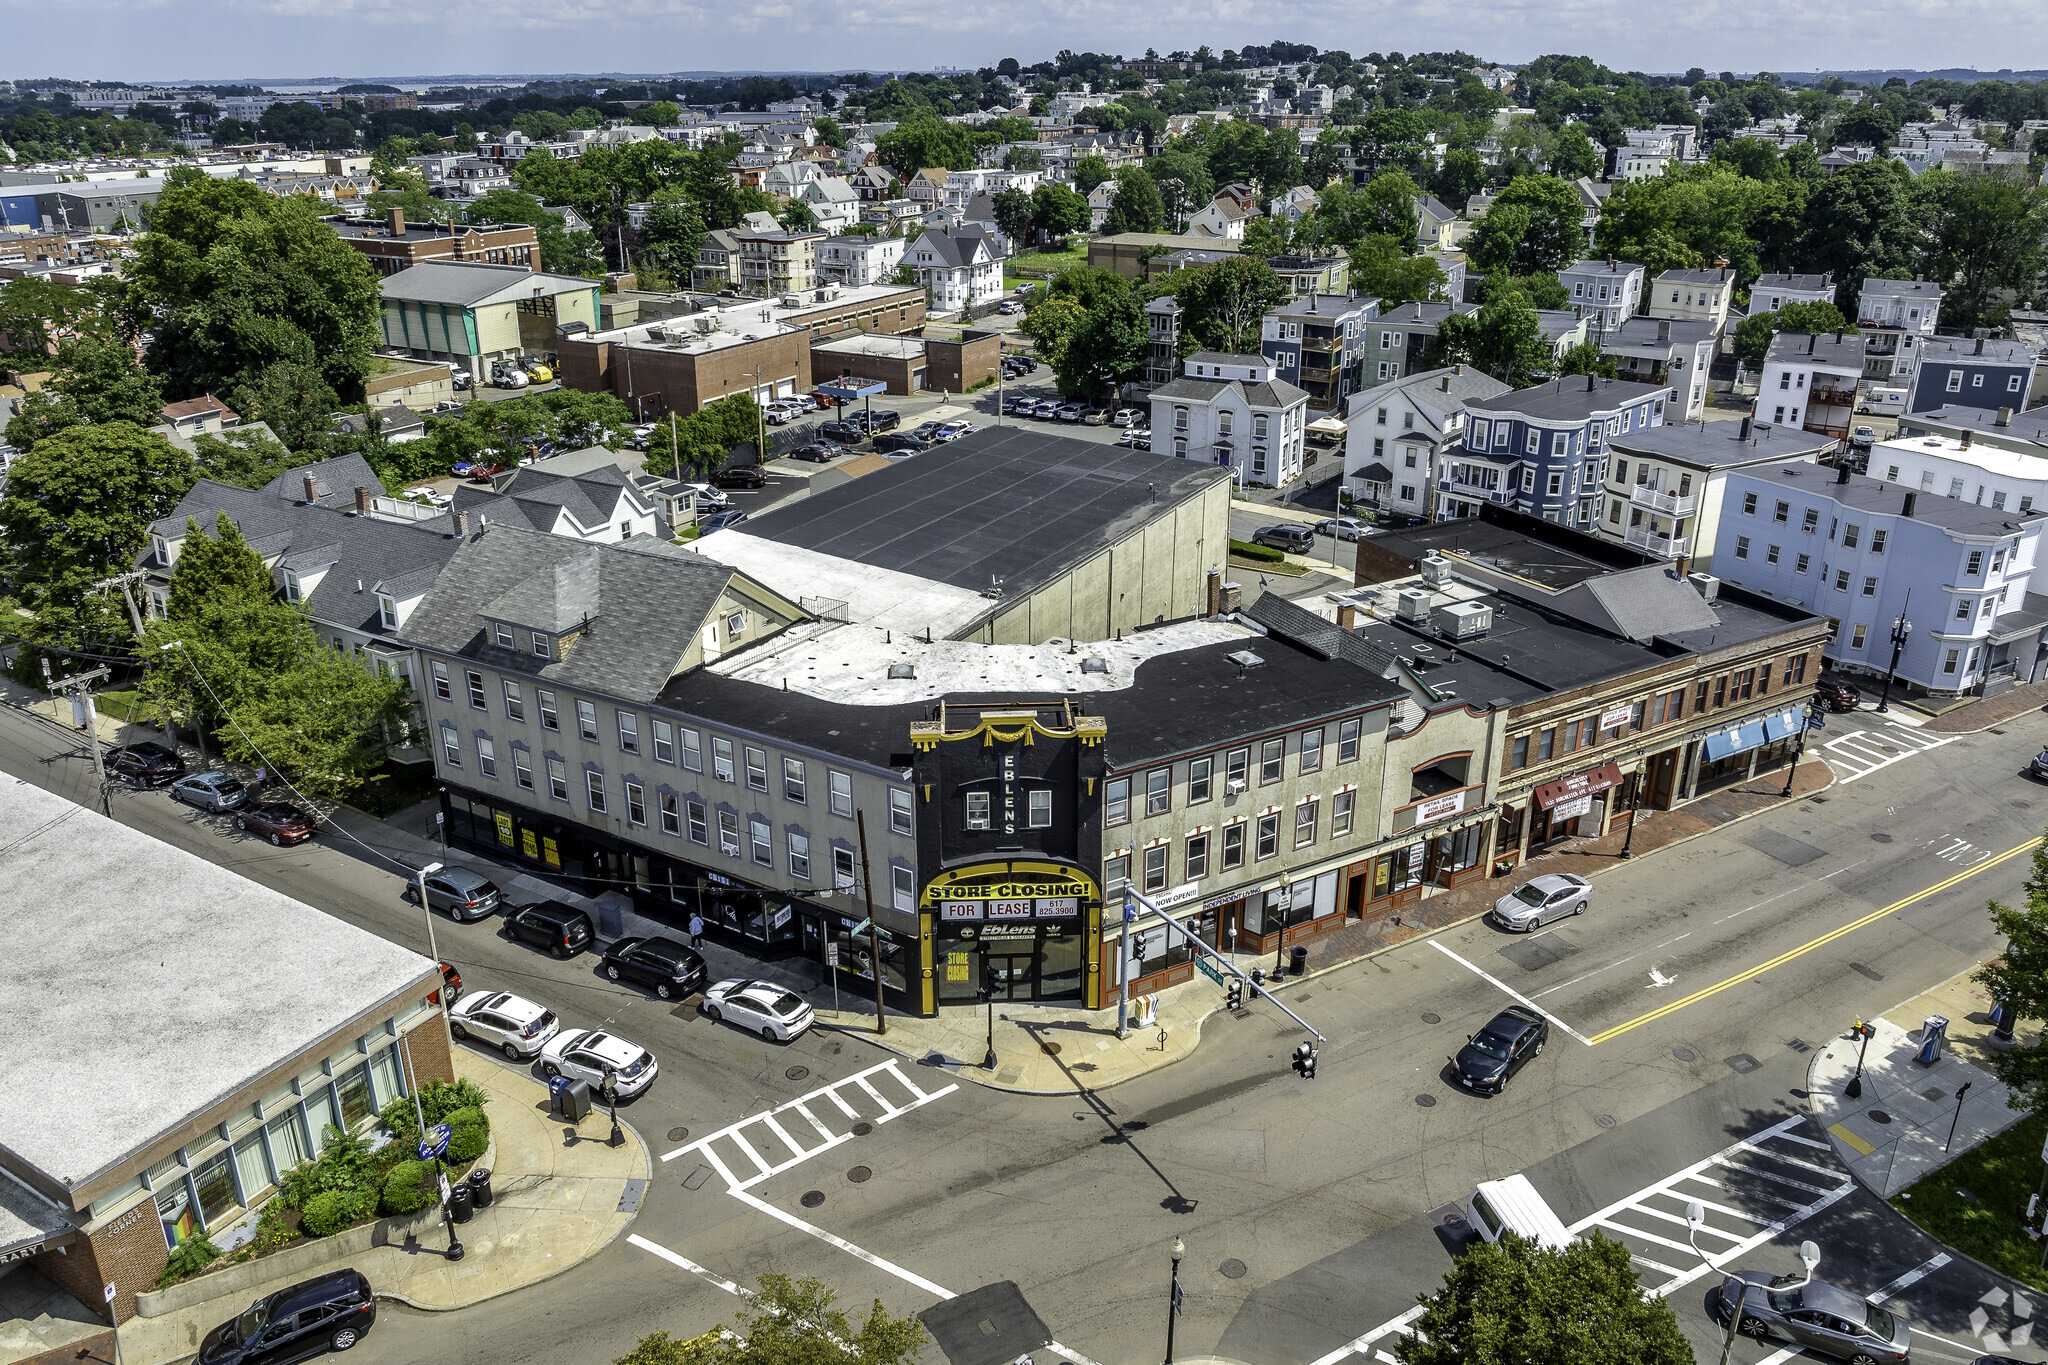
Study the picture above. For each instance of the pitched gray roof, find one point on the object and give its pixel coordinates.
(533, 496)
(644, 607)
(465, 284)
(1642, 604)
(1805, 282)
(1571, 399)
(1821, 348)
(953, 248)
(335, 480)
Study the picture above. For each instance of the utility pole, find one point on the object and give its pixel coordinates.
(122, 581)
(867, 884)
(77, 688)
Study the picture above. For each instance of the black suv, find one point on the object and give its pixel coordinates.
(901, 441)
(146, 764)
(740, 476)
(331, 1313)
(672, 969)
(561, 929)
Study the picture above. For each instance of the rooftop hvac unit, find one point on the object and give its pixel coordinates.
(1436, 570)
(705, 322)
(1709, 586)
(1413, 604)
(1463, 620)
(792, 300)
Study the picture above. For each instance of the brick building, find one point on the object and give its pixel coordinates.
(393, 244)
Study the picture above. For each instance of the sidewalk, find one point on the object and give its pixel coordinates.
(1894, 1133)
(560, 1196)
(1982, 715)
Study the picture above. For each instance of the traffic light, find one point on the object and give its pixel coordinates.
(1234, 998)
(1305, 1061)
(1258, 975)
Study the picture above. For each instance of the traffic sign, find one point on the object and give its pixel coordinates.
(831, 955)
(1202, 964)
(435, 1143)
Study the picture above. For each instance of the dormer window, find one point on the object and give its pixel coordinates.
(162, 548)
(540, 646)
(387, 612)
(504, 633)
(735, 625)
(291, 586)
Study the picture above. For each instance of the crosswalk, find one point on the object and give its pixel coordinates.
(1859, 753)
(762, 1146)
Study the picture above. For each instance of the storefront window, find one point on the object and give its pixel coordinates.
(384, 1074)
(252, 1168)
(216, 1187)
(354, 1087)
(319, 1111)
(288, 1141)
(1059, 968)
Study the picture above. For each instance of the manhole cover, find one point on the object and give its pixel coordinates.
(1049, 1048)
(1426, 1101)
(860, 1175)
(1232, 1269)
(1432, 1019)
(813, 1198)
(1604, 1120)
(1685, 1054)
(1879, 1116)
(1742, 1063)
(678, 1134)
(2024, 805)
(863, 1129)
(1882, 838)
(797, 1073)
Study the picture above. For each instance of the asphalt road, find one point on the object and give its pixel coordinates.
(1684, 1002)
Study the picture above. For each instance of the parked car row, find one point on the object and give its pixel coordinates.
(778, 411)
(1054, 410)
(149, 764)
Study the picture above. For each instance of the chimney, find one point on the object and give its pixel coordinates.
(1458, 368)
(1684, 566)
(2005, 417)
(1842, 472)
(1612, 268)
(1663, 329)
(1980, 347)
(1447, 383)
(362, 501)
(395, 220)
(1811, 342)
(1590, 384)
(1215, 593)
(312, 489)
(1347, 616)
(1907, 510)
(462, 522)
(1967, 433)
(1724, 272)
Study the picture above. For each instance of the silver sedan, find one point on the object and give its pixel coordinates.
(1549, 897)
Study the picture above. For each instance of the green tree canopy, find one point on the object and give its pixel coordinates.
(1090, 171)
(1753, 334)
(1550, 235)
(925, 140)
(216, 571)
(1057, 211)
(671, 234)
(791, 1322)
(100, 377)
(1381, 268)
(562, 252)
(292, 400)
(1223, 303)
(2019, 977)
(1985, 236)
(1136, 206)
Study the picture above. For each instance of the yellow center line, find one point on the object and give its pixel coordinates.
(1805, 948)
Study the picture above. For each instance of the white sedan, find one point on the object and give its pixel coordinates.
(585, 1053)
(763, 1007)
(514, 1025)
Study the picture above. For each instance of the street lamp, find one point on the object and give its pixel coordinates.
(610, 1088)
(1901, 628)
(420, 880)
(1854, 1090)
(1173, 1296)
(1809, 1256)
(1799, 750)
(988, 993)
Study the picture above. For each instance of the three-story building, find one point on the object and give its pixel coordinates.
(1549, 446)
(1319, 343)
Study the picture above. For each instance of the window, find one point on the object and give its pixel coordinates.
(1038, 808)
(1998, 501)
(540, 646)
(1877, 540)
(729, 833)
(757, 769)
(504, 634)
(841, 787)
(1976, 563)
(1802, 563)
(1272, 754)
(761, 838)
(793, 780)
(721, 759)
(1955, 381)
(1556, 485)
(1670, 706)
(1770, 554)
(522, 766)
(1305, 824)
(1955, 488)
(1546, 744)
(593, 786)
(1197, 863)
(586, 721)
(1795, 669)
(1116, 801)
(558, 779)
(1341, 807)
(1783, 510)
(977, 810)
(1742, 547)
(842, 868)
(1870, 587)
(1721, 691)
(700, 829)
(671, 814)
(1518, 753)
(1531, 442)
(515, 705)
(903, 888)
(1841, 580)
(1236, 766)
(2012, 384)
(1155, 868)
(1984, 607)
(547, 709)
(1962, 609)
(451, 746)
(486, 756)
(1856, 637)
(1699, 697)
(1233, 844)
(476, 689)
(1269, 836)
(629, 733)
(1748, 504)
(1811, 522)
(1198, 779)
(636, 803)
(1347, 740)
(664, 742)
(1158, 791)
(1948, 664)
(899, 811)
(800, 856)
(735, 625)
(1311, 751)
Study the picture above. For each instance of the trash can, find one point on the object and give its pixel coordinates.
(460, 1209)
(1933, 1033)
(480, 1187)
(1297, 961)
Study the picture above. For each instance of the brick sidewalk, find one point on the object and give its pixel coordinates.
(1982, 715)
(1586, 857)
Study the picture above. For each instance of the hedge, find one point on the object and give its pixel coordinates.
(409, 1188)
(1244, 549)
(471, 1136)
(330, 1211)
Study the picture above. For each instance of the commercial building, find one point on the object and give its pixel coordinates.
(394, 245)
(909, 364)
(185, 1098)
(473, 314)
(1546, 447)
(1665, 491)
(1130, 253)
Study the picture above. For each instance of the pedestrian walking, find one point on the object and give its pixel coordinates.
(696, 931)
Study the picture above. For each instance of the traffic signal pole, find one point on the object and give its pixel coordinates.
(1202, 949)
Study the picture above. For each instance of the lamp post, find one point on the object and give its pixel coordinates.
(1635, 804)
(988, 993)
(1799, 750)
(1173, 1296)
(1695, 1218)
(1854, 1090)
(610, 1088)
(1962, 1091)
(1901, 628)
(420, 880)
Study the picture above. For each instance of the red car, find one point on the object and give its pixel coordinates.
(484, 473)
(825, 400)
(278, 821)
(451, 981)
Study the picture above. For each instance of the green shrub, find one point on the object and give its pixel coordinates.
(330, 1211)
(438, 1099)
(409, 1188)
(1244, 549)
(189, 1257)
(344, 1163)
(275, 1227)
(472, 1134)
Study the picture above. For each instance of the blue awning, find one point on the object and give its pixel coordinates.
(1738, 740)
(1781, 725)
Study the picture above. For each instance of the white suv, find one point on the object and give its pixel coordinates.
(514, 1025)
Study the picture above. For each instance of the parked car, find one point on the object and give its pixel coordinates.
(1073, 412)
(1019, 402)
(817, 452)
(539, 371)
(824, 399)
(1047, 409)
(1862, 436)
(214, 791)
(464, 894)
(1123, 417)
(513, 1024)
(1009, 306)
(1836, 694)
(1549, 897)
(586, 1054)
(740, 476)
(775, 414)
(278, 821)
(1142, 441)
(954, 430)
(484, 473)
(561, 929)
(313, 1317)
(451, 985)
(1297, 539)
(762, 1007)
(926, 431)
(507, 377)
(907, 441)
(718, 521)
(1819, 1317)
(706, 495)
(846, 433)
(1492, 1056)
(2038, 769)
(460, 377)
(1343, 528)
(1096, 417)
(666, 965)
(884, 419)
(147, 764)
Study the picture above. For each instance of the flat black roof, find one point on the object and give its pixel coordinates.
(1006, 502)
(1525, 546)
(1718, 445)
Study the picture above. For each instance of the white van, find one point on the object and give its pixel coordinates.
(1512, 1205)
(1883, 402)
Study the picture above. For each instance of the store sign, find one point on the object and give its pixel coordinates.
(1057, 907)
(503, 820)
(1587, 783)
(779, 918)
(22, 1253)
(1572, 810)
(1024, 931)
(1011, 890)
(959, 910)
(1010, 909)
(1614, 717)
(529, 843)
(1437, 807)
(1179, 895)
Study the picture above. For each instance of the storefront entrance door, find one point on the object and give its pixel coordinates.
(1013, 978)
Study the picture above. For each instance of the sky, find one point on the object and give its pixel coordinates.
(159, 40)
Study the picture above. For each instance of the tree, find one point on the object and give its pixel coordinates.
(1462, 175)
(322, 721)
(1387, 206)
(666, 114)
(1057, 211)
(1538, 291)
(1051, 321)
(671, 234)
(2019, 978)
(562, 252)
(924, 140)
(1551, 237)
(1264, 237)
(1381, 268)
(1497, 239)
(1985, 232)
(36, 313)
(1753, 334)
(1090, 171)
(1575, 155)
(1512, 1301)
(1222, 304)
(1013, 210)
(796, 216)
(1136, 205)
(245, 458)
(239, 279)
(104, 383)
(1585, 358)
(1858, 224)
(790, 1322)
(1389, 137)
(292, 400)
(1107, 350)
(215, 572)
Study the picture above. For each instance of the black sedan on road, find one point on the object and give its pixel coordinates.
(1492, 1056)
(740, 476)
(845, 433)
(561, 929)
(669, 967)
(146, 764)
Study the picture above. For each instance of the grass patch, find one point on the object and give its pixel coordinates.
(1048, 262)
(392, 788)
(1245, 549)
(1977, 1202)
(1281, 567)
(123, 706)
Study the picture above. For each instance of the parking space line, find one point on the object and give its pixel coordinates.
(1646, 1236)
(1503, 987)
(1655, 1265)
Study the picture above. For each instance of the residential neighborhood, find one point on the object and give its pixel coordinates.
(1128, 638)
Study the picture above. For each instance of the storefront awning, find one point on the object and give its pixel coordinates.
(1579, 784)
(1783, 724)
(1740, 739)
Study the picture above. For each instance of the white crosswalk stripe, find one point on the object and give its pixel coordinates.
(1859, 753)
